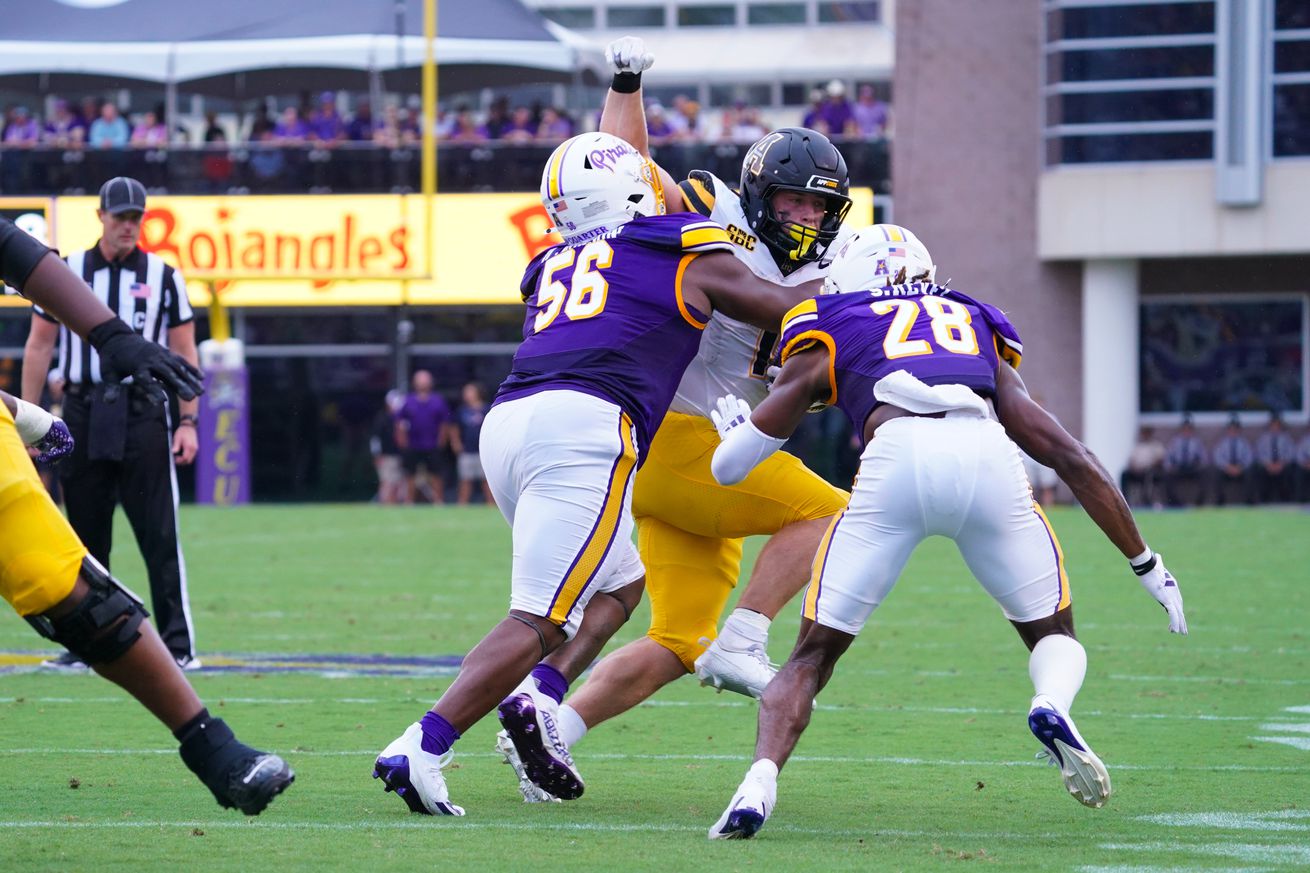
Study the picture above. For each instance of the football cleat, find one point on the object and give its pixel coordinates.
(1084, 775)
(238, 776)
(530, 792)
(254, 783)
(749, 810)
(746, 672)
(529, 720)
(415, 775)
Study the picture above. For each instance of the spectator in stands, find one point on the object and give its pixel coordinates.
(685, 119)
(870, 113)
(658, 128)
(260, 125)
(360, 127)
(813, 117)
(150, 132)
(63, 129)
(837, 113)
(555, 126)
(393, 131)
(290, 129)
(325, 124)
(522, 128)
(498, 121)
(467, 128)
(746, 125)
(422, 436)
(1184, 463)
(1275, 456)
(110, 130)
(21, 129)
(1145, 469)
(214, 132)
(90, 110)
(465, 430)
(1233, 465)
(1302, 472)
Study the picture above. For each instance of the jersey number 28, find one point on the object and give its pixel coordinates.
(950, 327)
(585, 296)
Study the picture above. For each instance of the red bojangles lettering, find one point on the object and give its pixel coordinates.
(218, 247)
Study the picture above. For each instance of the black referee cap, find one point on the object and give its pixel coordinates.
(122, 194)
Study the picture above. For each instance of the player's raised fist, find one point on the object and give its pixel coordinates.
(628, 54)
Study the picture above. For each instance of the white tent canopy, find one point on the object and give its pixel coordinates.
(250, 46)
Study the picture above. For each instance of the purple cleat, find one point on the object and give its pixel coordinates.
(529, 719)
(1085, 776)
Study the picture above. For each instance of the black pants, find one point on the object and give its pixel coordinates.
(145, 482)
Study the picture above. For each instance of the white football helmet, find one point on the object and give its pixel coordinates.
(595, 183)
(878, 256)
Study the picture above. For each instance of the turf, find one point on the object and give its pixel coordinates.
(918, 758)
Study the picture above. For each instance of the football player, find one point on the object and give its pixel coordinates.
(614, 316)
(922, 366)
(783, 226)
(48, 577)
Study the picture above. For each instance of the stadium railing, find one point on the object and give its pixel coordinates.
(353, 168)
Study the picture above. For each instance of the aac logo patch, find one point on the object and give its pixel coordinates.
(742, 238)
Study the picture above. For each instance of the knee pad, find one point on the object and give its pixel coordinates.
(103, 626)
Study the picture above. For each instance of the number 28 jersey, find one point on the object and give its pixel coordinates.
(607, 317)
(937, 334)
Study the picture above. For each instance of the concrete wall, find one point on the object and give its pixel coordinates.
(965, 169)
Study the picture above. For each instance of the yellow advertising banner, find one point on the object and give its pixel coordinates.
(343, 250)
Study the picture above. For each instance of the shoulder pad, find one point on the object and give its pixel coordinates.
(680, 232)
(798, 331)
(529, 283)
(699, 192)
(1009, 347)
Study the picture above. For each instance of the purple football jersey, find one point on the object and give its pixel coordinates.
(937, 334)
(607, 318)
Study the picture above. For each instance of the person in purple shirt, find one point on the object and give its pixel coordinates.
(422, 437)
(925, 368)
(361, 127)
(871, 114)
(290, 128)
(465, 432)
(22, 129)
(836, 112)
(325, 124)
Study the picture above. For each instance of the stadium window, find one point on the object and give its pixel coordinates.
(775, 13)
(796, 93)
(636, 16)
(1111, 148)
(1138, 20)
(1291, 120)
(1155, 62)
(1292, 56)
(759, 94)
(1181, 104)
(580, 17)
(1291, 14)
(1223, 356)
(707, 16)
(866, 12)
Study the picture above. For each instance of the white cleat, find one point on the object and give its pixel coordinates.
(746, 671)
(749, 810)
(415, 775)
(531, 793)
(1084, 775)
(529, 720)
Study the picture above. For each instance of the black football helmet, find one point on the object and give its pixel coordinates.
(794, 159)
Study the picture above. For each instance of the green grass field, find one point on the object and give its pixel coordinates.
(918, 758)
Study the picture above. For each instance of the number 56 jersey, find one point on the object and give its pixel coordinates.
(936, 334)
(608, 318)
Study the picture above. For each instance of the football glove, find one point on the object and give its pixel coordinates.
(1162, 585)
(628, 54)
(731, 413)
(44, 432)
(123, 353)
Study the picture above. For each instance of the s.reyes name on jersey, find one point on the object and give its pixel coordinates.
(937, 334)
(607, 317)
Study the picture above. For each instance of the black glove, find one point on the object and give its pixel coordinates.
(123, 353)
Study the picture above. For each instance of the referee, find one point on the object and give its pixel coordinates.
(126, 444)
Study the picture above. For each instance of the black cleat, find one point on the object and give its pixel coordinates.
(238, 776)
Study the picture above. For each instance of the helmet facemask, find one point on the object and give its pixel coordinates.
(795, 242)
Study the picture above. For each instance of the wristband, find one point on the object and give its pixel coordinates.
(187, 420)
(1144, 563)
(626, 83)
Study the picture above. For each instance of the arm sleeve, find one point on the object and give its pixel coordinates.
(744, 449)
(19, 254)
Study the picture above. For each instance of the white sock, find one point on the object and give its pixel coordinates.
(745, 628)
(571, 726)
(764, 770)
(1057, 667)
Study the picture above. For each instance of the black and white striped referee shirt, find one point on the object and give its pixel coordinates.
(146, 293)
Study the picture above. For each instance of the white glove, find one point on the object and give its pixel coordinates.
(771, 374)
(1162, 585)
(628, 54)
(732, 413)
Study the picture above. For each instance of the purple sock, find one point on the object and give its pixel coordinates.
(438, 735)
(550, 682)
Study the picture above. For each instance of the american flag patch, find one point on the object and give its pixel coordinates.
(896, 252)
(140, 291)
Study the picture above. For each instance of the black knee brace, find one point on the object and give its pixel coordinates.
(103, 626)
